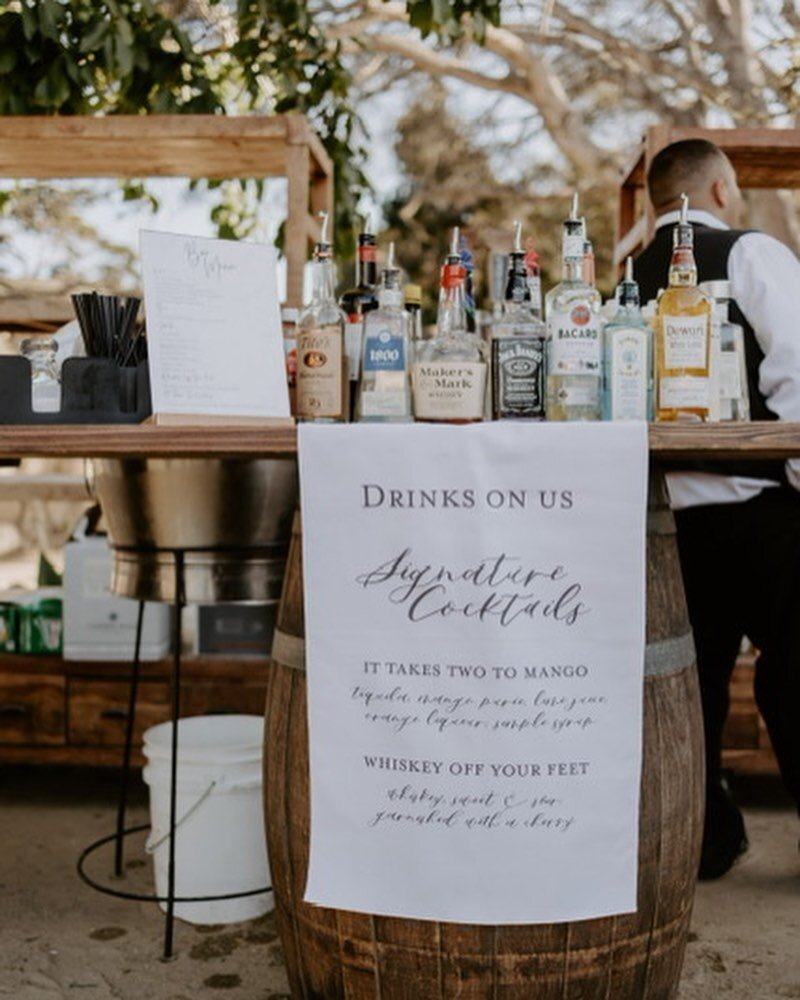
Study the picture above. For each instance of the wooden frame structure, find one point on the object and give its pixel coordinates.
(762, 157)
(192, 146)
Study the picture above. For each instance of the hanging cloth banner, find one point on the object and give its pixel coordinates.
(475, 627)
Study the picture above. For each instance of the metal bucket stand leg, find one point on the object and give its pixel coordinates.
(175, 680)
(126, 759)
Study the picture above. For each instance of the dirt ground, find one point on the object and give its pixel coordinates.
(60, 940)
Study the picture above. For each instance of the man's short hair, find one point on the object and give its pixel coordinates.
(679, 166)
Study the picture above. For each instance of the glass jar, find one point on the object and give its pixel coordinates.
(45, 377)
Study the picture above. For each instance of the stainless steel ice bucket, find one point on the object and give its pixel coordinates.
(231, 519)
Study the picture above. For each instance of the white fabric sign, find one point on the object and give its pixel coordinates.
(475, 620)
(214, 338)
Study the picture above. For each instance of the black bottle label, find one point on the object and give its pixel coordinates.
(518, 377)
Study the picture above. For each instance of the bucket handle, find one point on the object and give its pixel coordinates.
(152, 844)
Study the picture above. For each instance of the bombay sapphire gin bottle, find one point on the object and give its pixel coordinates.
(385, 390)
(628, 357)
(574, 346)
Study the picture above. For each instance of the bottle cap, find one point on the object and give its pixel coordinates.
(683, 234)
(628, 289)
(413, 294)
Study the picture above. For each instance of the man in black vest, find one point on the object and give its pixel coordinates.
(738, 523)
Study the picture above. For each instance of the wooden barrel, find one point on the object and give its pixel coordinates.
(334, 954)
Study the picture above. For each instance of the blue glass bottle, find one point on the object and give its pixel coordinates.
(628, 357)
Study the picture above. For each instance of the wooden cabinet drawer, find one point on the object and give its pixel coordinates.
(32, 709)
(242, 696)
(98, 710)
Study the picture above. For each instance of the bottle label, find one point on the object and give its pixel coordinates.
(319, 372)
(584, 394)
(629, 373)
(575, 345)
(573, 246)
(367, 253)
(730, 375)
(449, 390)
(686, 341)
(384, 352)
(518, 376)
(683, 392)
(385, 403)
(352, 337)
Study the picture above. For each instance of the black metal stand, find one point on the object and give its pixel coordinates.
(121, 831)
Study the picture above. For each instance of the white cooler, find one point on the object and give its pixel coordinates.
(97, 624)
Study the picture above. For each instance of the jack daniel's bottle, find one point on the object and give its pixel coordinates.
(517, 345)
(449, 374)
(322, 388)
(574, 344)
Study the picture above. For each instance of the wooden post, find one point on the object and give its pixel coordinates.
(298, 172)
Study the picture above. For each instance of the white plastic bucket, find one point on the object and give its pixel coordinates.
(220, 844)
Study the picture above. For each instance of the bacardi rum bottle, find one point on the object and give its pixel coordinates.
(385, 389)
(322, 383)
(574, 345)
(627, 357)
(517, 346)
(449, 374)
(683, 334)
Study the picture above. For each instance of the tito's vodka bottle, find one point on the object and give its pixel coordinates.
(449, 374)
(322, 385)
(627, 357)
(683, 334)
(574, 346)
(517, 344)
(385, 391)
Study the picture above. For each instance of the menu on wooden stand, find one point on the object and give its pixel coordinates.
(213, 329)
(475, 622)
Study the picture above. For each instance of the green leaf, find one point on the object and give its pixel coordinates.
(8, 59)
(93, 38)
(48, 19)
(124, 55)
(29, 23)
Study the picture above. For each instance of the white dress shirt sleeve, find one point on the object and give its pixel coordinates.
(765, 282)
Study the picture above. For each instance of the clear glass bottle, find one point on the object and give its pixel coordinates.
(413, 297)
(385, 389)
(627, 357)
(45, 376)
(683, 334)
(574, 341)
(449, 373)
(322, 371)
(517, 347)
(734, 396)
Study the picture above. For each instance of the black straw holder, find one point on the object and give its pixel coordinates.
(93, 391)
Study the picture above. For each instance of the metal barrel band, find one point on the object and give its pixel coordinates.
(288, 650)
(669, 656)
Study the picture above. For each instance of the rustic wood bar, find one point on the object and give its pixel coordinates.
(669, 443)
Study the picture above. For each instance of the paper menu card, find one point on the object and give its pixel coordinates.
(214, 337)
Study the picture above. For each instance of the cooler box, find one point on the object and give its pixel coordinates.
(97, 624)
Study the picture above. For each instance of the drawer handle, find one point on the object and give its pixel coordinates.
(15, 710)
(116, 714)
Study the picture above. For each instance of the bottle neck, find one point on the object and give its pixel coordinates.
(572, 269)
(452, 317)
(323, 280)
(682, 267)
(366, 263)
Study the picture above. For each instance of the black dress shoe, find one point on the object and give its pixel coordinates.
(724, 835)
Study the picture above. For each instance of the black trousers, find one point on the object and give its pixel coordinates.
(741, 570)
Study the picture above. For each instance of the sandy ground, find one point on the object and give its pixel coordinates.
(60, 940)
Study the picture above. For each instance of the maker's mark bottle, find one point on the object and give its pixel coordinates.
(322, 382)
(449, 374)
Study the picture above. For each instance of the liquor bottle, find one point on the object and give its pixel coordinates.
(385, 390)
(734, 397)
(588, 261)
(574, 344)
(627, 357)
(517, 347)
(357, 301)
(468, 260)
(322, 385)
(449, 373)
(683, 334)
(534, 280)
(413, 297)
